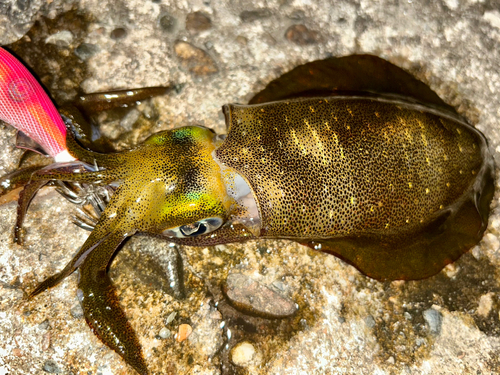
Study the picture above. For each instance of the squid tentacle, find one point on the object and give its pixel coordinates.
(92, 157)
(101, 307)
(96, 177)
(98, 296)
(102, 230)
(23, 203)
(16, 179)
(92, 242)
(102, 101)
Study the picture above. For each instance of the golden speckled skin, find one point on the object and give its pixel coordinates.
(330, 167)
(393, 188)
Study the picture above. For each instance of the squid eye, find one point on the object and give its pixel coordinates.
(195, 229)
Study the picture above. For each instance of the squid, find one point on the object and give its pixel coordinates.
(352, 156)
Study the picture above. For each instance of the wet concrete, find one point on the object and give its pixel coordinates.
(346, 323)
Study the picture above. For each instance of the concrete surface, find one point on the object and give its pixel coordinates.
(347, 323)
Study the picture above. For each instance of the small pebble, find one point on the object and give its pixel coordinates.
(268, 39)
(127, 122)
(164, 333)
(23, 5)
(491, 241)
(184, 331)
(485, 304)
(51, 367)
(170, 317)
(243, 354)
(197, 21)
(242, 40)
(86, 50)
(254, 15)
(419, 341)
(297, 15)
(118, 33)
(370, 321)
(167, 22)
(76, 311)
(451, 270)
(492, 17)
(62, 38)
(44, 325)
(434, 320)
(301, 35)
(46, 341)
(195, 59)
(251, 297)
(218, 261)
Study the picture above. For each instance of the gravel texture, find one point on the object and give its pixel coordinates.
(217, 52)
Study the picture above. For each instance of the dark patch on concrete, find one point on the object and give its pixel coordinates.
(118, 33)
(462, 293)
(59, 69)
(167, 22)
(493, 362)
(126, 137)
(362, 23)
(162, 270)
(301, 35)
(86, 50)
(254, 15)
(404, 335)
(197, 22)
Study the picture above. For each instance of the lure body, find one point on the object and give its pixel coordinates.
(395, 183)
(26, 106)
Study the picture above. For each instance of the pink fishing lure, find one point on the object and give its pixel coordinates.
(26, 106)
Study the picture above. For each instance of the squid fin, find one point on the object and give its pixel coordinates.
(354, 74)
